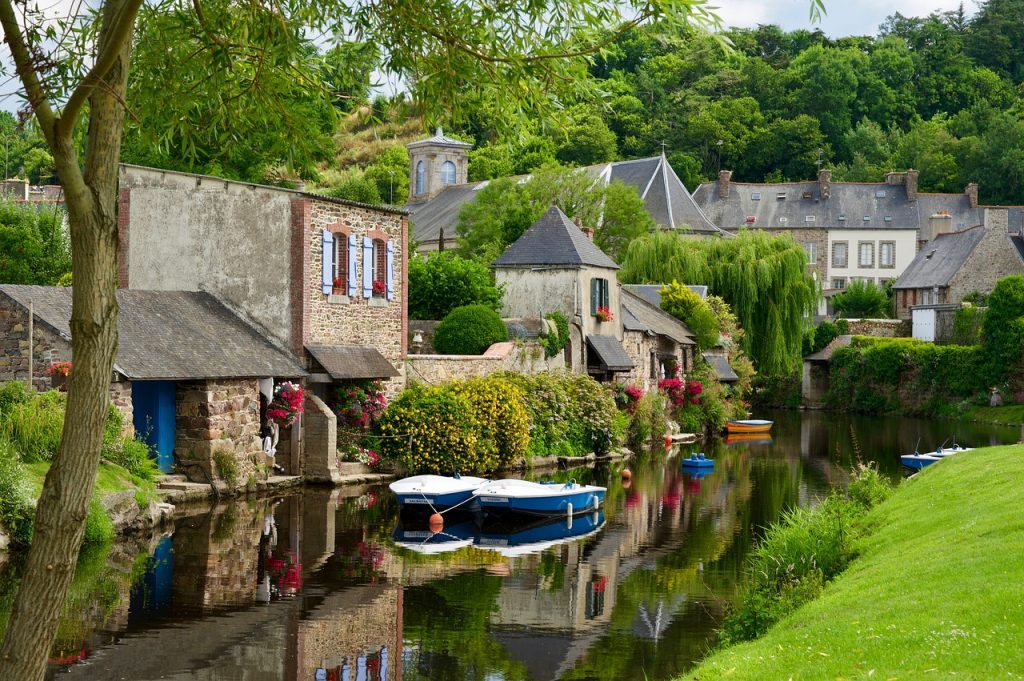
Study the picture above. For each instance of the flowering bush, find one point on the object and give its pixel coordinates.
(337, 283)
(681, 392)
(362, 455)
(287, 404)
(432, 428)
(59, 369)
(379, 288)
(604, 314)
(360, 405)
(626, 396)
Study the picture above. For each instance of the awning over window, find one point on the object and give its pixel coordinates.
(344, 362)
(610, 354)
(720, 363)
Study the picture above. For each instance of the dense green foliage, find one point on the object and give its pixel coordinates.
(967, 323)
(649, 421)
(862, 300)
(763, 278)
(570, 414)
(683, 304)
(903, 375)
(469, 330)
(34, 245)
(903, 607)
(490, 423)
(816, 338)
(446, 281)
(555, 342)
(1003, 327)
(799, 554)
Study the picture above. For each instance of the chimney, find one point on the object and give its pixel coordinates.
(824, 183)
(895, 179)
(723, 183)
(586, 230)
(971, 190)
(911, 183)
(938, 223)
(997, 220)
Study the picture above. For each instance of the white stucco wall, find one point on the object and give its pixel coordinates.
(535, 293)
(229, 238)
(906, 248)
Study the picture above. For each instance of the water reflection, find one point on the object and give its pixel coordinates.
(334, 584)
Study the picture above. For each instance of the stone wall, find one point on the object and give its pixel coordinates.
(321, 429)
(214, 416)
(880, 328)
(355, 623)
(48, 347)
(340, 320)
(639, 347)
(121, 398)
(526, 358)
(993, 258)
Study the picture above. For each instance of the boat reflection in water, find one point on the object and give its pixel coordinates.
(509, 537)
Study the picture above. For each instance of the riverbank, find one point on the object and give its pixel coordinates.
(935, 589)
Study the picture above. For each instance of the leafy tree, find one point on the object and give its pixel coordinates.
(34, 247)
(356, 188)
(1002, 329)
(587, 139)
(764, 279)
(825, 82)
(529, 56)
(861, 300)
(625, 218)
(390, 172)
(996, 37)
(38, 165)
(445, 281)
(683, 304)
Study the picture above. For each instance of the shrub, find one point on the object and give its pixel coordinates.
(861, 300)
(554, 343)
(499, 408)
(132, 455)
(445, 281)
(226, 466)
(967, 323)
(1003, 327)
(682, 303)
(99, 528)
(868, 487)
(360, 404)
(469, 330)
(34, 425)
(16, 499)
(432, 428)
(650, 420)
(11, 393)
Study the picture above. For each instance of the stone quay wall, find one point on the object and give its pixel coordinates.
(218, 416)
(527, 358)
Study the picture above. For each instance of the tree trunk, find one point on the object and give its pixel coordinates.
(64, 503)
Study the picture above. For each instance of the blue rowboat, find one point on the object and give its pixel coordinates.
(536, 498)
(918, 461)
(698, 461)
(435, 492)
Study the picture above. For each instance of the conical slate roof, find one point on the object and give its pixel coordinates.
(554, 240)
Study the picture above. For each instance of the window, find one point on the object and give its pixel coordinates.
(811, 249)
(867, 218)
(380, 266)
(888, 218)
(780, 196)
(880, 194)
(421, 178)
(339, 264)
(755, 196)
(887, 254)
(842, 218)
(839, 254)
(839, 283)
(447, 173)
(598, 295)
(808, 218)
(783, 220)
(866, 254)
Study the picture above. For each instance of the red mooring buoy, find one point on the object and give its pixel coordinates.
(436, 522)
(627, 474)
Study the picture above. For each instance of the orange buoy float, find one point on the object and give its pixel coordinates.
(436, 522)
(627, 474)
(668, 442)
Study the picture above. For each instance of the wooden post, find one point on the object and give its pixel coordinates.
(31, 342)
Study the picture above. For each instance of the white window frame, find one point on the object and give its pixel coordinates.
(421, 177)
(839, 283)
(889, 246)
(448, 173)
(846, 254)
(862, 262)
(811, 249)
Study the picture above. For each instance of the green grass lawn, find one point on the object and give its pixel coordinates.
(1011, 414)
(937, 591)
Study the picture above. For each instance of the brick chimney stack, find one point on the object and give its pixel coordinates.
(586, 230)
(824, 183)
(971, 190)
(911, 183)
(724, 176)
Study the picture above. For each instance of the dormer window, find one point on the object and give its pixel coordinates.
(809, 218)
(755, 196)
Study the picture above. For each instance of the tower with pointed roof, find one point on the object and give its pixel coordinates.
(435, 163)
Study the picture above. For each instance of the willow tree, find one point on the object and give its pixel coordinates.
(764, 279)
(527, 58)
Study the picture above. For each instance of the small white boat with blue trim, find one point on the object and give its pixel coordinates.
(435, 492)
(917, 461)
(539, 498)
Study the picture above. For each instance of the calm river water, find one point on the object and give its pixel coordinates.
(330, 584)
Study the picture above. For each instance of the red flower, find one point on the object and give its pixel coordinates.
(59, 369)
(379, 288)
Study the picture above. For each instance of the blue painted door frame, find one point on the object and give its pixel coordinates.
(153, 404)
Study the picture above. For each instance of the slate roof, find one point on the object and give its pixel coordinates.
(641, 315)
(720, 363)
(439, 138)
(846, 207)
(352, 361)
(825, 354)
(666, 198)
(940, 259)
(554, 240)
(610, 353)
(170, 335)
(651, 292)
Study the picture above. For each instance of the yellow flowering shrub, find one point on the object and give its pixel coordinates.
(500, 411)
(432, 429)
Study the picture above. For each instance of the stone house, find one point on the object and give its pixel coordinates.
(321, 278)
(954, 264)
(868, 231)
(614, 334)
(439, 187)
(188, 374)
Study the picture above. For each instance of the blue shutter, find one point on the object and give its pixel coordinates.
(391, 270)
(353, 258)
(594, 295)
(367, 267)
(328, 260)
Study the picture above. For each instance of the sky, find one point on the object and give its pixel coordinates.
(844, 17)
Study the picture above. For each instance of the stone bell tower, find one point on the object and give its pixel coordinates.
(435, 163)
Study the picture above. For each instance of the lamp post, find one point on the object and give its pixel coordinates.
(391, 187)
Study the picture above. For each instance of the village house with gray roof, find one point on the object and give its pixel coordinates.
(438, 189)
